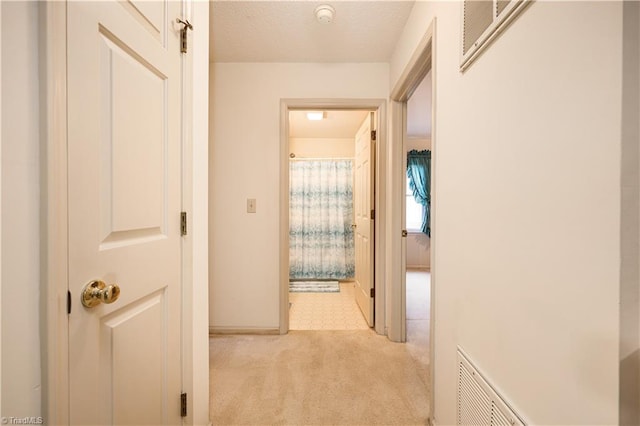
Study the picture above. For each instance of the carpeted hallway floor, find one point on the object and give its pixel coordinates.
(346, 377)
(353, 377)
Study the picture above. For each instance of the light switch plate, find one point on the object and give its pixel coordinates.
(251, 205)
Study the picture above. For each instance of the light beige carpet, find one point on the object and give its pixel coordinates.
(418, 314)
(353, 377)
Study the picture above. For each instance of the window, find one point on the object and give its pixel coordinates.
(482, 21)
(413, 210)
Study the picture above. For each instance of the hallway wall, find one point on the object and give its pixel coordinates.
(527, 162)
(21, 244)
(244, 163)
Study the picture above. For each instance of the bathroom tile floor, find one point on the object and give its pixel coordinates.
(326, 311)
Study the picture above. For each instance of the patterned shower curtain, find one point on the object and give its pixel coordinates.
(321, 243)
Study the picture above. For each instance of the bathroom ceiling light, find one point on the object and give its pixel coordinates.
(315, 115)
(325, 14)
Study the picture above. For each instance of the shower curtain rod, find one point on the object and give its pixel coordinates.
(319, 158)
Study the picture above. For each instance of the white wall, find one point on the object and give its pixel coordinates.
(418, 251)
(322, 147)
(419, 110)
(244, 162)
(527, 161)
(21, 381)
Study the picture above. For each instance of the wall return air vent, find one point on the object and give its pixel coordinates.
(482, 22)
(478, 403)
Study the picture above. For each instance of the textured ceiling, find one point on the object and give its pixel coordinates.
(287, 31)
(337, 124)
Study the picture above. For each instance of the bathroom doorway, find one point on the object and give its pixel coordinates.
(362, 142)
(323, 199)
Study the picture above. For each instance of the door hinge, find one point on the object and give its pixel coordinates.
(186, 25)
(68, 302)
(183, 223)
(374, 133)
(373, 214)
(372, 292)
(183, 405)
(404, 233)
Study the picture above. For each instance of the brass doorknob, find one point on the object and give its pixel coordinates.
(97, 292)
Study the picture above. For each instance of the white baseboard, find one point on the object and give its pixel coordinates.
(243, 330)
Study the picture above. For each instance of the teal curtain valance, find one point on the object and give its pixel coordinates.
(419, 174)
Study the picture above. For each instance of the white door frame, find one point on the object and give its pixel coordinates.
(195, 196)
(55, 336)
(379, 106)
(422, 60)
(198, 312)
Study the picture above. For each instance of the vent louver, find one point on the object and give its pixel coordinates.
(474, 405)
(501, 6)
(478, 403)
(482, 21)
(478, 15)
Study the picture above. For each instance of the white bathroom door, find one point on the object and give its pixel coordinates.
(364, 204)
(124, 193)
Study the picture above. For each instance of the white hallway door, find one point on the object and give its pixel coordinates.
(124, 191)
(364, 202)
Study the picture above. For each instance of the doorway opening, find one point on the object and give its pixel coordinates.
(328, 234)
(421, 64)
(417, 150)
(323, 195)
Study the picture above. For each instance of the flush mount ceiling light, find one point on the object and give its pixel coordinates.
(315, 115)
(325, 13)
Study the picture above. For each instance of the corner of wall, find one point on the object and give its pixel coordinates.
(629, 369)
